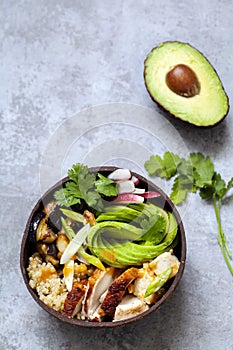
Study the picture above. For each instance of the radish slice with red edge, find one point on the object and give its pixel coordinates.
(125, 187)
(120, 174)
(139, 190)
(150, 194)
(129, 198)
(135, 180)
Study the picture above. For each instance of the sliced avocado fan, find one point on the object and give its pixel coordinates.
(182, 81)
(147, 231)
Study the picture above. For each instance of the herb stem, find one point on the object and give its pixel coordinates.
(221, 236)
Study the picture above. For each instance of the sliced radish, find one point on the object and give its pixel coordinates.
(150, 194)
(129, 198)
(120, 174)
(139, 190)
(125, 187)
(135, 180)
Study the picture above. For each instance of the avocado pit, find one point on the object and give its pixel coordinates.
(183, 81)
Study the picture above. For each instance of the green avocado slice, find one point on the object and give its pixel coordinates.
(119, 213)
(115, 250)
(183, 82)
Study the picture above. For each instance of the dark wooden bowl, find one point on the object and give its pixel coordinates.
(28, 248)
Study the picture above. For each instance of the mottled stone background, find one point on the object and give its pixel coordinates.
(59, 57)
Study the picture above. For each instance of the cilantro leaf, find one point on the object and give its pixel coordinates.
(180, 189)
(230, 184)
(203, 169)
(154, 166)
(192, 174)
(73, 173)
(207, 192)
(185, 168)
(106, 186)
(83, 185)
(64, 197)
(171, 162)
(219, 186)
(165, 167)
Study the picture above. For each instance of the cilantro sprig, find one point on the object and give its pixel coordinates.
(85, 185)
(196, 173)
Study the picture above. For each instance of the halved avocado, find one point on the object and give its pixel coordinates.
(182, 81)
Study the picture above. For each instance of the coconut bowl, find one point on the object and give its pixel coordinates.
(28, 247)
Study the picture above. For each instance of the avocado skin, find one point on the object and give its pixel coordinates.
(168, 112)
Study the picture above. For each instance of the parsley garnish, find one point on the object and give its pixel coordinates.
(85, 185)
(196, 173)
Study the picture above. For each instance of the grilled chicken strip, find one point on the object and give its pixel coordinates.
(130, 306)
(145, 277)
(73, 302)
(98, 283)
(116, 292)
(163, 262)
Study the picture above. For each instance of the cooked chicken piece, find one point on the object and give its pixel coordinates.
(95, 317)
(141, 284)
(163, 262)
(99, 282)
(101, 299)
(130, 306)
(116, 292)
(73, 302)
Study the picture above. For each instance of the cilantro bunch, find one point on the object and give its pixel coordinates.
(87, 186)
(196, 173)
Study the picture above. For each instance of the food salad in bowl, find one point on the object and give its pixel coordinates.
(103, 247)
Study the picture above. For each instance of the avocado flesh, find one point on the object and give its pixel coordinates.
(121, 252)
(208, 107)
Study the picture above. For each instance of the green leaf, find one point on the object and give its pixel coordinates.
(196, 173)
(65, 198)
(219, 185)
(154, 166)
(83, 185)
(72, 189)
(74, 172)
(203, 169)
(181, 186)
(165, 167)
(207, 192)
(185, 168)
(106, 186)
(230, 184)
(171, 162)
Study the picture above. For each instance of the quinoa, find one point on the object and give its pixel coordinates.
(51, 288)
(44, 278)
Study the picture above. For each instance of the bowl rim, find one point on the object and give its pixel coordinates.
(111, 324)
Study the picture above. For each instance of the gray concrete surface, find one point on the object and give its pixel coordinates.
(56, 59)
